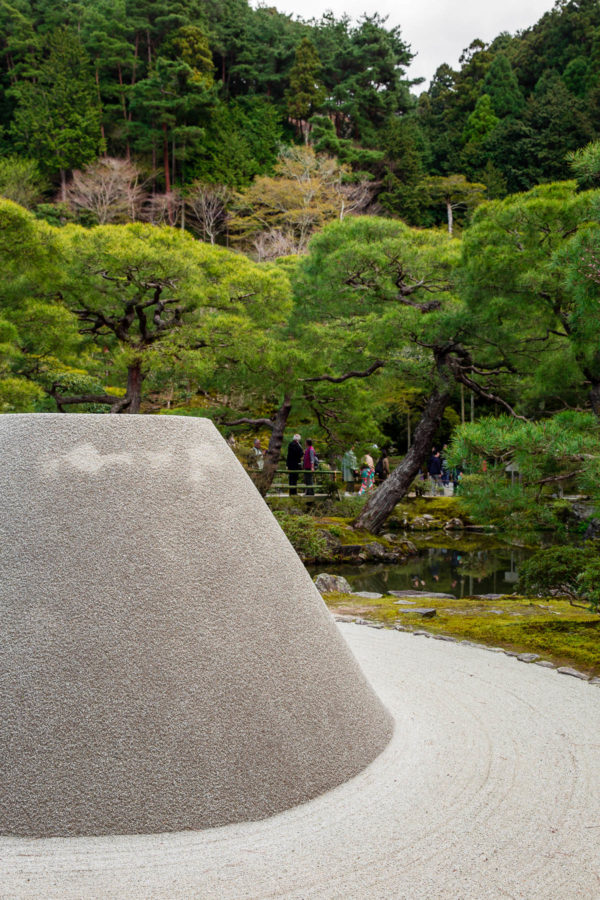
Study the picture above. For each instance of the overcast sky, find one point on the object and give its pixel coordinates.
(437, 30)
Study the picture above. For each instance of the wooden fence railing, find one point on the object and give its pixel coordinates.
(325, 482)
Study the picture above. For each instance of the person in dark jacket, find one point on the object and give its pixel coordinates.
(382, 468)
(435, 469)
(295, 455)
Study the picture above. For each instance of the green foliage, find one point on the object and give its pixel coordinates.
(304, 536)
(577, 76)
(324, 139)
(305, 93)
(17, 395)
(543, 86)
(525, 464)
(350, 285)
(524, 254)
(20, 180)
(501, 86)
(190, 44)
(205, 90)
(572, 572)
(57, 111)
(347, 508)
(585, 163)
(240, 140)
(481, 122)
(362, 70)
(451, 193)
(407, 154)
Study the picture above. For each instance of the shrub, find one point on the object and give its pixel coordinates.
(304, 536)
(571, 572)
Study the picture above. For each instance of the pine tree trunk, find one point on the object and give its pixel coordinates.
(263, 480)
(134, 387)
(100, 107)
(381, 504)
(124, 108)
(134, 67)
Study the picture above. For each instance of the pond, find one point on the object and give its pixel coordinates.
(492, 568)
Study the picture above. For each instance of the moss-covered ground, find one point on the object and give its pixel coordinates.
(554, 629)
(551, 628)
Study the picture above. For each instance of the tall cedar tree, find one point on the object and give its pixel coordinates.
(58, 112)
(305, 93)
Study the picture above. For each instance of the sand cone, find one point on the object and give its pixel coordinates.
(165, 661)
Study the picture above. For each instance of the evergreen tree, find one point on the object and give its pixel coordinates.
(577, 76)
(406, 156)
(305, 93)
(58, 113)
(502, 87)
(363, 162)
(559, 123)
(481, 122)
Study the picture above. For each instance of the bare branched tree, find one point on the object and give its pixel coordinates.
(207, 208)
(164, 209)
(109, 188)
(356, 198)
(272, 244)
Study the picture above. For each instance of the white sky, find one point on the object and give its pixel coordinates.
(437, 30)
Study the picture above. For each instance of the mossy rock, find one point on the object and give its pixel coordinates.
(441, 508)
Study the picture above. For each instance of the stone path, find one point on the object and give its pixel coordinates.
(489, 789)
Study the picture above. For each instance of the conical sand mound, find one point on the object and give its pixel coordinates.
(166, 662)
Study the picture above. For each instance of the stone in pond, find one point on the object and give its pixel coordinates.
(327, 584)
(454, 525)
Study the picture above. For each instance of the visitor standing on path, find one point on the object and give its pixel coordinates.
(382, 469)
(256, 458)
(295, 456)
(367, 474)
(349, 469)
(435, 469)
(309, 464)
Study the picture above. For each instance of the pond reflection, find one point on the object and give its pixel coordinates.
(441, 570)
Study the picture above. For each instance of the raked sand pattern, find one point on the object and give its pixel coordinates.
(488, 789)
(166, 662)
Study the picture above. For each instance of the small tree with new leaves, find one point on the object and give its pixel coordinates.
(453, 192)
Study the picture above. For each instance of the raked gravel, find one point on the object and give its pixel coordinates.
(489, 789)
